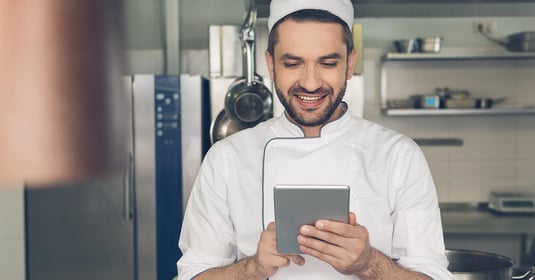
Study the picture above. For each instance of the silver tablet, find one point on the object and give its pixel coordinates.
(296, 205)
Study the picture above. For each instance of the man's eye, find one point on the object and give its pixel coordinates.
(329, 64)
(290, 65)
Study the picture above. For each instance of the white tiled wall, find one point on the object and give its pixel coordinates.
(12, 233)
(495, 148)
(498, 151)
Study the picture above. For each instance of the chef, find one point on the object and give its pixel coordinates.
(394, 229)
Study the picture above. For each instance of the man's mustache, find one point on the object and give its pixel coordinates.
(298, 89)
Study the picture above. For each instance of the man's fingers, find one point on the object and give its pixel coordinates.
(271, 226)
(297, 259)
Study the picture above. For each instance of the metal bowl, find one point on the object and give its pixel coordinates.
(430, 44)
(407, 46)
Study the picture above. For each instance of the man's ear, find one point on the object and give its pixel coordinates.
(351, 63)
(269, 63)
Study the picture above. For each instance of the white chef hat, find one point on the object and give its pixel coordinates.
(281, 8)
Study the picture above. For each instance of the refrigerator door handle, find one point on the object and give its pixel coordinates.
(128, 183)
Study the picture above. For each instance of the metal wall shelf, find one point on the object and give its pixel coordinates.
(459, 112)
(451, 56)
(457, 56)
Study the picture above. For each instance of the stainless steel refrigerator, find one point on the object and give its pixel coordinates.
(126, 225)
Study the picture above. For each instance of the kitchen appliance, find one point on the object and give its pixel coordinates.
(512, 202)
(475, 265)
(126, 225)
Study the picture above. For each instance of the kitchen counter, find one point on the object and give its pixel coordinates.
(468, 218)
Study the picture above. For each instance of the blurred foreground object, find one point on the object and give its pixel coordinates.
(62, 108)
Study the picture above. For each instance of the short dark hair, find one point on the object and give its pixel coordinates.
(311, 15)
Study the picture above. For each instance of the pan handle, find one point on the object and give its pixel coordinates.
(249, 64)
(247, 37)
(492, 39)
(526, 274)
(250, 18)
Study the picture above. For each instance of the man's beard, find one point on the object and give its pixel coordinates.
(301, 118)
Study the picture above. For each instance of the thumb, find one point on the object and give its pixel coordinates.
(297, 259)
(352, 219)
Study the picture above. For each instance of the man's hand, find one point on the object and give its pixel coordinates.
(346, 247)
(261, 266)
(267, 260)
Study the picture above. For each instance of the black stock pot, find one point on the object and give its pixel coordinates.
(475, 265)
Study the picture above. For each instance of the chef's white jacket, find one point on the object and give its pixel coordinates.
(392, 194)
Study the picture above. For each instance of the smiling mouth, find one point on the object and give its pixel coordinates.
(310, 99)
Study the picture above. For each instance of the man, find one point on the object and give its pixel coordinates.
(394, 229)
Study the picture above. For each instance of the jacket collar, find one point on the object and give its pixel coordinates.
(285, 128)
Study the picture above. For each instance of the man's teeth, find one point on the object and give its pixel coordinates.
(309, 98)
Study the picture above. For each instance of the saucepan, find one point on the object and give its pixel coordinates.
(248, 100)
(518, 42)
(476, 265)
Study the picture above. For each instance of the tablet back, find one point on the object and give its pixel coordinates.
(296, 205)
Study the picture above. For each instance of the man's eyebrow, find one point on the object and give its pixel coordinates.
(331, 56)
(288, 56)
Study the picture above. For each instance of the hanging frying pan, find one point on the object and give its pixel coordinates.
(248, 100)
(224, 126)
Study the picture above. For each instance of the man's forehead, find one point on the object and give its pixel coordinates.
(343, 9)
(309, 34)
(319, 29)
(290, 56)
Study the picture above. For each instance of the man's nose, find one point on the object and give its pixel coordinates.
(310, 79)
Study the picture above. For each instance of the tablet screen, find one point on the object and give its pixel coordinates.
(296, 205)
